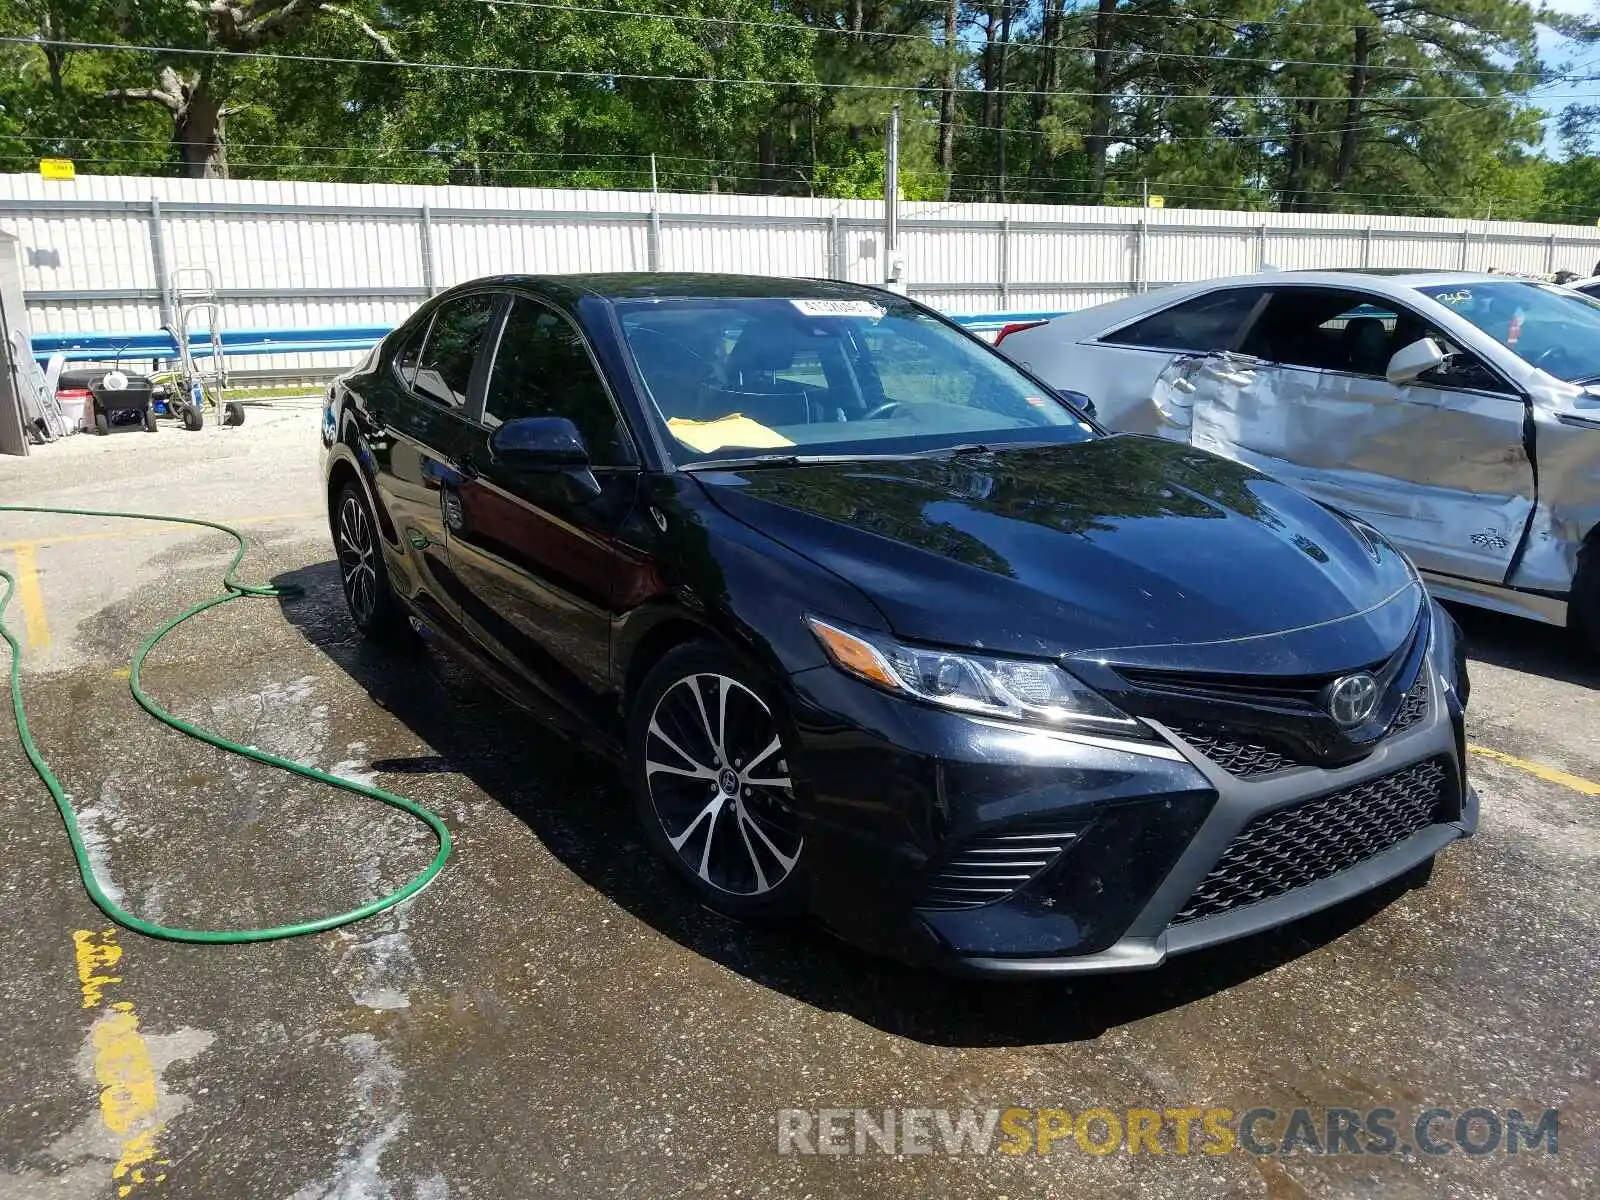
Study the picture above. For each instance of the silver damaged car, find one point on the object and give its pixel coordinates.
(1457, 412)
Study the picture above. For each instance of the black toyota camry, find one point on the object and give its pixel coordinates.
(887, 631)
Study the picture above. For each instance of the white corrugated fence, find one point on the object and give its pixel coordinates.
(99, 252)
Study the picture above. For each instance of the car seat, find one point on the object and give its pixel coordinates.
(1366, 346)
(764, 349)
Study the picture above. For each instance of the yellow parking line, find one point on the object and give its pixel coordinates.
(129, 1090)
(124, 532)
(1576, 782)
(29, 596)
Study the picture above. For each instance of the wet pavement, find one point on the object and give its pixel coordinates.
(553, 1017)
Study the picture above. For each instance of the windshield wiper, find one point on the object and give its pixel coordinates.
(757, 461)
(982, 448)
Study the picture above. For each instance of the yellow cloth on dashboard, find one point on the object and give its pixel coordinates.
(735, 429)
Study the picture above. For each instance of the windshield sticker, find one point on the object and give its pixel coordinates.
(735, 429)
(839, 308)
(1456, 297)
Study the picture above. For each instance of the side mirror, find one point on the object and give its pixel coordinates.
(539, 444)
(547, 446)
(1078, 401)
(1418, 358)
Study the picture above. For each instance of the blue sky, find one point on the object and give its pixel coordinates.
(1561, 54)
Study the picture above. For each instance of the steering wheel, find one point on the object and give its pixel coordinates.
(1549, 359)
(883, 410)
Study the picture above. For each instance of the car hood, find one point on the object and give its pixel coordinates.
(1133, 549)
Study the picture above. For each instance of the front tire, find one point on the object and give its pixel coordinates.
(709, 764)
(363, 573)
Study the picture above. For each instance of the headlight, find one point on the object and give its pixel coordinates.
(1017, 689)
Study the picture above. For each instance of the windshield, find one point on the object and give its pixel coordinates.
(735, 376)
(1555, 329)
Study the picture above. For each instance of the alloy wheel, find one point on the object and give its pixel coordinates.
(357, 553)
(718, 779)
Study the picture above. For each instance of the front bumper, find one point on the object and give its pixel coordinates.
(895, 791)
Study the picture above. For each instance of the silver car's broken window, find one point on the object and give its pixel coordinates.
(1332, 329)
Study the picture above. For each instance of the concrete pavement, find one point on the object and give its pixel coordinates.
(555, 1018)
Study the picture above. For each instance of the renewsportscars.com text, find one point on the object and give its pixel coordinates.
(1263, 1131)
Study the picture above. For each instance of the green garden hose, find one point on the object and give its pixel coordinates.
(233, 590)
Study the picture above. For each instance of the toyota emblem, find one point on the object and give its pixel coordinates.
(1353, 699)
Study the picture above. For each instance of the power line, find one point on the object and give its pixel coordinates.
(643, 157)
(634, 77)
(1020, 186)
(938, 40)
(1373, 126)
(1377, 23)
(392, 168)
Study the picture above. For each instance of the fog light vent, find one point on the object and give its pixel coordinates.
(995, 866)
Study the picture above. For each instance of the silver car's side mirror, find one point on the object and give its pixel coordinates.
(1416, 359)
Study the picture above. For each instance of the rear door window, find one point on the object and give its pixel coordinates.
(445, 367)
(1200, 324)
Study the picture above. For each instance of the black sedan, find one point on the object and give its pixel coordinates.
(887, 631)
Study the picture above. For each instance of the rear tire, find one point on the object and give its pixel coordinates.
(233, 413)
(193, 419)
(102, 424)
(363, 573)
(149, 420)
(709, 761)
(1583, 605)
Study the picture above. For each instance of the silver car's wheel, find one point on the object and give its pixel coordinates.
(717, 779)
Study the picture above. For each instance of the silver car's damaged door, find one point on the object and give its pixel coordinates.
(1567, 449)
(1440, 469)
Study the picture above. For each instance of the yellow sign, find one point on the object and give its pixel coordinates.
(57, 168)
(1158, 201)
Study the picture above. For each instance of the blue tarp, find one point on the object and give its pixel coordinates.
(327, 339)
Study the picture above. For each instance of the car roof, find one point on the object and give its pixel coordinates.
(1393, 283)
(632, 285)
(1383, 278)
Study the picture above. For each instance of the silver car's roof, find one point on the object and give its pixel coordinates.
(1382, 280)
(1392, 282)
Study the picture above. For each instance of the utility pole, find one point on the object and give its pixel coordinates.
(652, 174)
(891, 201)
(1000, 107)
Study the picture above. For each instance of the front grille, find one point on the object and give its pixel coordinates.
(1244, 759)
(1269, 691)
(1292, 847)
(995, 866)
(1415, 705)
